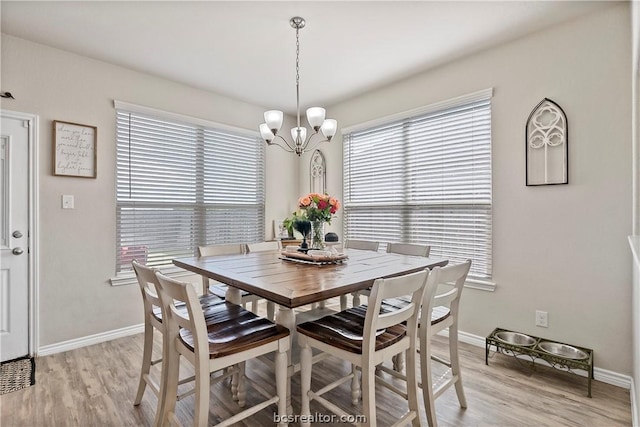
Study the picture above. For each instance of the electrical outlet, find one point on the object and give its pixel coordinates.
(542, 319)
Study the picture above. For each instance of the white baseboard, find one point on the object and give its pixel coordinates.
(599, 374)
(90, 340)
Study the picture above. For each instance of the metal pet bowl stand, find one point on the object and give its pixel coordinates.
(561, 356)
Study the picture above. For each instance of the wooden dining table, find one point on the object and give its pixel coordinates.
(290, 284)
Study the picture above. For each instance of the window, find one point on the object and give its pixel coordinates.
(183, 184)
(424, 177)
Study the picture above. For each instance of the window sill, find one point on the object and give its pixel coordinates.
(129, 277)
(482, 285)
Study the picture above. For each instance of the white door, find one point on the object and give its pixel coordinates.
(14, 266)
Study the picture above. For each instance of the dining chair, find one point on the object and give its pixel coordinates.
(366, 337)
(215, 339)
(413, 249)
(363, 245)
(437, 314)
(274, 245)
(153, 320)
(220, 289)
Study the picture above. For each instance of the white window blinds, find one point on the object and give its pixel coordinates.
(182, 185)
(424, 179)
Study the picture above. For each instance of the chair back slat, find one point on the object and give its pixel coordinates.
(214, 250)
(264, 246)
(365, 245)
(409, 249)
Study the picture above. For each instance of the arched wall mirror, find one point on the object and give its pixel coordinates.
(318, 172)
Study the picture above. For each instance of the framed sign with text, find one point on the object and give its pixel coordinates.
(74, 149)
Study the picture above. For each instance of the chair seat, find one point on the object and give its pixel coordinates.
(344, 330)
(220, 291)
(438, 314)
(232, 329)
(206, 301)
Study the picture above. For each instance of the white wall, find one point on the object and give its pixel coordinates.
(77, 247)
(562, 249)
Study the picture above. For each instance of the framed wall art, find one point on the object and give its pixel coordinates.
(74, 149)
(547, 145)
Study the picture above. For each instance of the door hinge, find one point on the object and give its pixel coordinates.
(25, 124)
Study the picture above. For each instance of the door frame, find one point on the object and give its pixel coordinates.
(33, 268)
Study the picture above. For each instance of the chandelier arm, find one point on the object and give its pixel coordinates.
(315, 144)
(306, 143)
(288, 147)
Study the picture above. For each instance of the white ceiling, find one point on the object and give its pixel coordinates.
(246, 50)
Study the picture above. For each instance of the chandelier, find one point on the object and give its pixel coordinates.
(315, 115)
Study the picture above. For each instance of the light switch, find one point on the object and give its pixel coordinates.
(67, 201)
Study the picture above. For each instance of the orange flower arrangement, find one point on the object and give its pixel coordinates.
(319, 207)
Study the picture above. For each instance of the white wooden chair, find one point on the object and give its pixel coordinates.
(363, 245)
(365, 337)
(439, 313)
(409, 249)
(148, 283)
(220, 289)
(232, 336)
(274, 245)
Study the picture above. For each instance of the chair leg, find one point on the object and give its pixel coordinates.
(455, 364)
(281, 384)
(203, 385)
(355, 386)
(427, 380)
(412, 386)
(398, 362)
(305, 381)
(242, 385)
(369, 394)
(271, 311)
(168, 388)
(146, 362)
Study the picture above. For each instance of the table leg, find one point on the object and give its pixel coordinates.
(286, 318)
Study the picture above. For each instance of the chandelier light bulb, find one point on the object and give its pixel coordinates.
(329, 128)
(315, 117)
(266, 133)
(273, 118)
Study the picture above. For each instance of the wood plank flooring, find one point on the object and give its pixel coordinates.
(96, 385)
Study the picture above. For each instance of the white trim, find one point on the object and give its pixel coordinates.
(90, 340)
(634, 404)
(482, 285)
(121, 105)
(599, 374)
(33, 281)
(452, 102)
(129, 277)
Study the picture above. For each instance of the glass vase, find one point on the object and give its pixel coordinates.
(317, 235)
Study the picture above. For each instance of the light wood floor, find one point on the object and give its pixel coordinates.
(95, 386)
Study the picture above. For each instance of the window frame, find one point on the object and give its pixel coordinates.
(199, 187)
(406, 208)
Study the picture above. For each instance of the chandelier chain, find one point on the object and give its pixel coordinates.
(298, 74)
